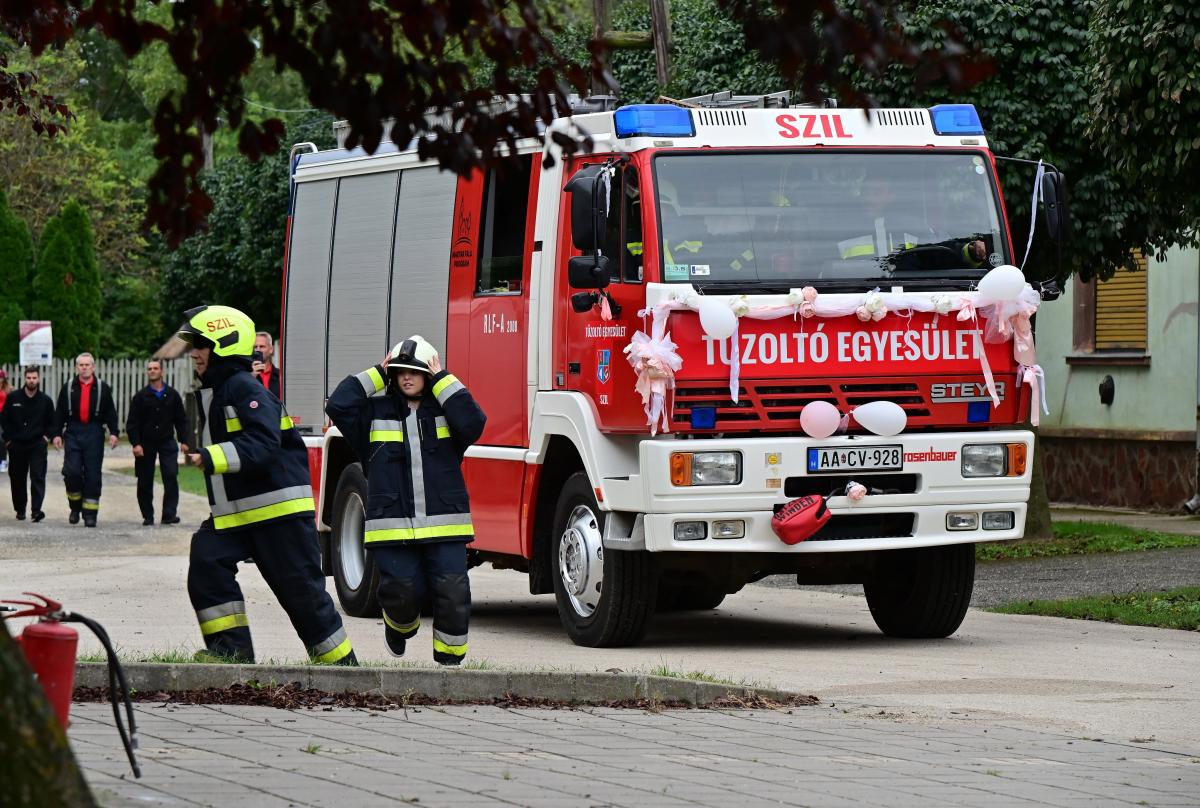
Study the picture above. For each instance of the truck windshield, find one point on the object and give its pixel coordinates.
(784, 219)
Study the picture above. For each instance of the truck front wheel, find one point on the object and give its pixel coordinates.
(923, 592)
(605, 597)
(355, 575)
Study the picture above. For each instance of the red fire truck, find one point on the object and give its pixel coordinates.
(534, 278)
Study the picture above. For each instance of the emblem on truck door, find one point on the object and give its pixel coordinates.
(603, 365)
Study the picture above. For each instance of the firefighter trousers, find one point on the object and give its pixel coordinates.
(289, 558)
(167, 455)
(23, 462)
(84, 454)
(408, 574)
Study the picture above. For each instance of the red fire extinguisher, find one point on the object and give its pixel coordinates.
(49, 647)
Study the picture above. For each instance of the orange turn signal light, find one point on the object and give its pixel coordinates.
(1017, 456)
(681, 468)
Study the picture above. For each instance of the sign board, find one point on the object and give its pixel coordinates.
(37, 342)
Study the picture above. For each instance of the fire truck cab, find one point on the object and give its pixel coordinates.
(534, 278)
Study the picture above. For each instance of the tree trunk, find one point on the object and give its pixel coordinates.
(1037, 519)
(37, 767)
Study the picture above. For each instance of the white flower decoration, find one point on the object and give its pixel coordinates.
(740, 305)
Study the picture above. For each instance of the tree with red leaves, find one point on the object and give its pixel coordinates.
(368, 61)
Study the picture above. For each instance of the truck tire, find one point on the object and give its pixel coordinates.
(922, 593)
(605, 597)
(354, 572)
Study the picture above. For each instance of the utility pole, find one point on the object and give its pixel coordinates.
(658, 38)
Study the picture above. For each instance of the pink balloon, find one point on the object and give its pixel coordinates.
(819, 419)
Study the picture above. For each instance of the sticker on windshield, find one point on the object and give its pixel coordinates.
(995, 260)
(676, 272)
(978, 169)
(700, 269)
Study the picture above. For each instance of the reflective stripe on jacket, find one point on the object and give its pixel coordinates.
(412, 458)
(255, 462)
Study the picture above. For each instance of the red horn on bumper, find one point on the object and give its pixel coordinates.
(800, 519)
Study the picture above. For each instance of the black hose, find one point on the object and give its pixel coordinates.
(116, 676)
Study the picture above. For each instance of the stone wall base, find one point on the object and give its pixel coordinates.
(1147, 475)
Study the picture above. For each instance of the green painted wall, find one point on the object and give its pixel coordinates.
(1161, 397)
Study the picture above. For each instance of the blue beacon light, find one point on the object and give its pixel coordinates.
(704, 417)
(955, 119)
(654, 120)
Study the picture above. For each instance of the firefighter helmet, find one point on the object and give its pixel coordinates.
(229, 331)
(414, 353)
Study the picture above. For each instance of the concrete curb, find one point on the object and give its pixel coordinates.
(459, 685)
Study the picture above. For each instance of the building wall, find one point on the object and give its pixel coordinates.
(1140, 451)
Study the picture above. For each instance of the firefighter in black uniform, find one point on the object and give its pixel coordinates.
(26, 425)
(410, 423)
(256, 471)
(85, 408)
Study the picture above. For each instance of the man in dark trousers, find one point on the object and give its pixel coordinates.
(256, 469)
(156, 418)
(85, 408)
(27, 423)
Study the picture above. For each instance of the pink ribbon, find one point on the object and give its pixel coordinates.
(967, 312)
(605, 309)
(1035, 377)
(735, 365)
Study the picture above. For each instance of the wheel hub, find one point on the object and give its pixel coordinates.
(581, 560)
(351, 552)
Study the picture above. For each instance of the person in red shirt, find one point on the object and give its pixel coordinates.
(262, 364)
(85, 408)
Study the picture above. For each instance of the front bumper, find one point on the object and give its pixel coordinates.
(880, 521)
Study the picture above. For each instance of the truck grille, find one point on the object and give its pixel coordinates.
(776, 405)
(867, 526)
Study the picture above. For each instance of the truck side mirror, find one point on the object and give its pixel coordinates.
(588, 272)
(589, 211)
(1054, 200)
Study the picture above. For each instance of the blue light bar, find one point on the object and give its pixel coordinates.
(955, 119)
(979, 412)
(704, 417)
(654, 120)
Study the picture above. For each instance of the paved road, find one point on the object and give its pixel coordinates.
(490, 756)
(998, 582)
(1092, 679)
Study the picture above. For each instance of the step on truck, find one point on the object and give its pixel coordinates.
(654, 326)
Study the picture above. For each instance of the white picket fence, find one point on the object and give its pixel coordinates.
(125, 376)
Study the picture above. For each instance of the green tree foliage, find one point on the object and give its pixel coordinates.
(1036, 106)
(16, 272)
(239, 260)
(54, 297)
(88, 300)
(1145, 96)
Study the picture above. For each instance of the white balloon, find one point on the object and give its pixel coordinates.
(717, 319)
(1002, 283)
(819, 419)
(886, 418)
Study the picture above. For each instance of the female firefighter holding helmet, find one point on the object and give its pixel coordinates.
(256, 469)
(410, 423)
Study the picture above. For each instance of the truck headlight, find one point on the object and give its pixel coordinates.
(994, 460)
(706, 468)
(985, 460)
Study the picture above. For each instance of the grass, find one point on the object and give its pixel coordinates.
(1075, 538)
(663, 669)
(1174, 608)
(191, 479)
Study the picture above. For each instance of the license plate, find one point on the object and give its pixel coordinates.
(840, 460)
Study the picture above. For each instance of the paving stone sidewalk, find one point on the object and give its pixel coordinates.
(491, 756)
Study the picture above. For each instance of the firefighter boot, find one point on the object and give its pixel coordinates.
(75, 501)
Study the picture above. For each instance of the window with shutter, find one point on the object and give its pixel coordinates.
(1120, 308)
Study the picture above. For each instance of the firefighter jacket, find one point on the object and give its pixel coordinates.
(255, 462)
(101, 409)
(412, 458)
(26, 420)
(153, 419)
